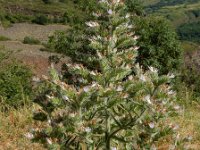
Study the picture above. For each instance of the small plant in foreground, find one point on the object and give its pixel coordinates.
(30, 40)
(15, 85)
(116, 106)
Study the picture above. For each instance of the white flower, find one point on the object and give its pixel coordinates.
(136, 48)
(103, 1)
(177, 107)
(99, 55)
(130, 26)
(126, 95)
(110, 12)
(153, 147)
(136, 37)
(151, 125)
(189, 138)
(36, 79)
(86, 88)
(72, 115)
(93, 73)
(87, 129)
(116, 1)
(143, 78)
(152, 69)
(113, 148)
(49, 121)
(130, 77)
(147, 99)
(176, 127)
(29, 135)
(95, 14)
(119, 88)
(92, 24)
(127, 16)
(65, 97)
(94, 84)
(171, 76)
(171, 92)
(49, 97)
(76, 66)
(49, 141)
(80, 79)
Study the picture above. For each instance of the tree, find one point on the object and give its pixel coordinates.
(159, 45)
(116, 106)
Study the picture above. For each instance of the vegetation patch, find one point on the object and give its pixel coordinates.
(4, 38)
(190, 31)
(31, 40)
(15, 84)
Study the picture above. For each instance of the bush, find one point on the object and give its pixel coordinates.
(3, 38)
(47, 1)
(159, 45)
(41, 19)
(115, 106)
(30, 40)
(15, 85)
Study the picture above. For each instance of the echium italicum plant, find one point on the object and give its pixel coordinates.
(118, 106)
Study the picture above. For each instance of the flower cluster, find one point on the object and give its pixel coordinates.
(116, 106)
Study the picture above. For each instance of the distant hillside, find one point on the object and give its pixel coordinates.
(184, 14)
(40, 11)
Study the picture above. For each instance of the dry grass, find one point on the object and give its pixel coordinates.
(190, 125)
(13, 125)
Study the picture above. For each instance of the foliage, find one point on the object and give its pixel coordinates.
(41, 19)
(190, 76)
(170, 3)
(15, 84)
(30, 40)
(3, 38)
(159, 46)
(134, 6)
(116, 106)
(189, 31)
(47, 1)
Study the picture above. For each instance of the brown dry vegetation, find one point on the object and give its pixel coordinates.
(14, 124)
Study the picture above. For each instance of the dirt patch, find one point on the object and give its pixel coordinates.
(31, 56)
(20, 30)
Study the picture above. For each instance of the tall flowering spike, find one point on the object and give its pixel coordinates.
(116, 106)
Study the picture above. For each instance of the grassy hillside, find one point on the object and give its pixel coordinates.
(37, 11)
(184, 14)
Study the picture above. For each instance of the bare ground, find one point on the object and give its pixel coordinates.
(31, 55)
(19, 30)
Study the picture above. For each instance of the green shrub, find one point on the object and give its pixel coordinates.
(47, 1)
(41, 19)
(3, 38)
(30, 40)
(115, 106)
(159, 45)
(15, 84)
